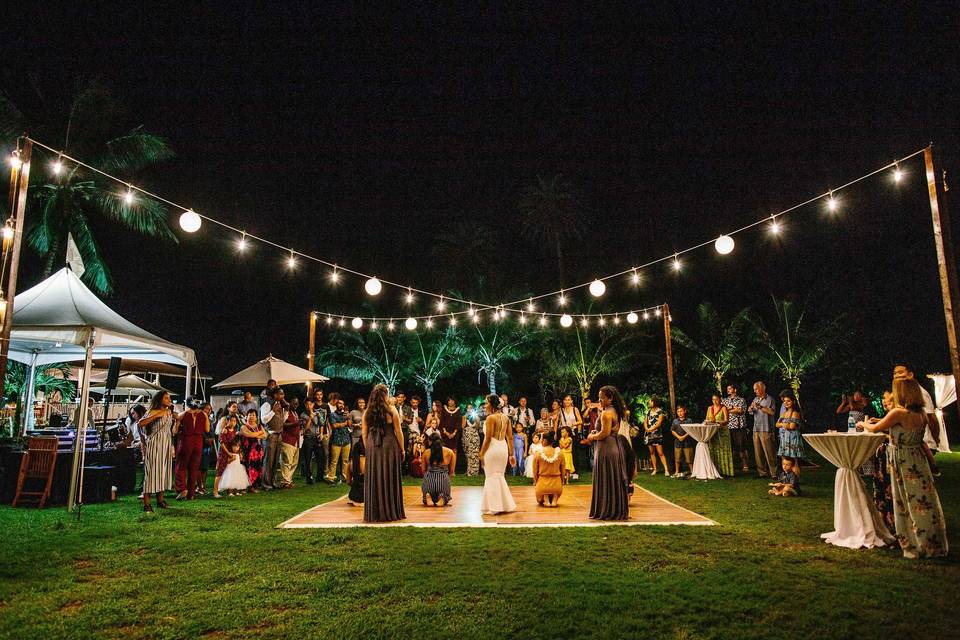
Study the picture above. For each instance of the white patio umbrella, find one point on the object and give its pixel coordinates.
(130, 385)
(270, 368)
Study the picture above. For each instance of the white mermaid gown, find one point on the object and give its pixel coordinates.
(496, 493)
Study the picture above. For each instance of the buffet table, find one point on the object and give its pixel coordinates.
(856, 521)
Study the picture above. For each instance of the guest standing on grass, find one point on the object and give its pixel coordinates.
(739, 434)
(610, 500)
(439, 464)
(228, 434)
(252, 436)
(653, 434)
(932, 430)
(549, 472)
(471, 441)
(245, 405)
(273, 414)
(763, 408)
(208, 456)
(791, 420)
(682, 443)
(355, 472)
(451, 425)
(289, 448)
(340, 426)
(720, 448)
(882, 490)
(383, 442)
(157, 429)
(356, 417)
(495, 454)
(311, 428)
(194, 424)
(569, 416)
(921, 528)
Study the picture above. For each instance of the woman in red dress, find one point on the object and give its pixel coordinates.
(252, 435)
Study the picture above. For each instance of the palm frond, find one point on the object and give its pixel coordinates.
(133, 152)
(145, 215)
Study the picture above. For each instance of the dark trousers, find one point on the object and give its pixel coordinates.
(271, 459)
(189, 451)
(312, 450)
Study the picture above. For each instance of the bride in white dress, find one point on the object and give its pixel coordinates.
(495, 453)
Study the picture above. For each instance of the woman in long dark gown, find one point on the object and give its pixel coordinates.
(610, 499)
(383, 442)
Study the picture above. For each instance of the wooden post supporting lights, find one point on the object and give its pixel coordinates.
(946, 263)
(313, 345)
(19, 179)
(669, 349)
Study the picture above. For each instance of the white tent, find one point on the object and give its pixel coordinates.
(944, 394)
(61, 320)
(270, 368)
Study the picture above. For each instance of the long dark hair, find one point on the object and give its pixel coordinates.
(788, 393)
(436, 449)
(156, 402)
(377, 411)
(618, 405)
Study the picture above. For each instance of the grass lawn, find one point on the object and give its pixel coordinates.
(221, 569)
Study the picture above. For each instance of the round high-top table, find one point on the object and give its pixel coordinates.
(856, 521)
(703, 466)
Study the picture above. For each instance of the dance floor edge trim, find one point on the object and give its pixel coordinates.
(336, 514)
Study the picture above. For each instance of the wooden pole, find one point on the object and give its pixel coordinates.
(313, 345)
(946, 263)
(18, 206)
(669, 345)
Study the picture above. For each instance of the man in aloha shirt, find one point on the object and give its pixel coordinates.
(736, 408)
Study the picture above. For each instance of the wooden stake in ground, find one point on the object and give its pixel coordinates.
(669, 345)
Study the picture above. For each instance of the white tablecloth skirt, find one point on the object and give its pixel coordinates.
(703, 466)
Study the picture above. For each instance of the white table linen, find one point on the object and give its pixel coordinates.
(856, 521)
(703, 466)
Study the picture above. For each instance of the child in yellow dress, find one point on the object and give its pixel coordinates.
(566, 449)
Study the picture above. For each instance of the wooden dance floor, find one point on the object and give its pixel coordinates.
(646, 508)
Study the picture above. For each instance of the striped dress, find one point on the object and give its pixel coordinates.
(436, 482)
(158, 456)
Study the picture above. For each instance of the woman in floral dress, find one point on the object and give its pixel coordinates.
(918, 516)
(791, 444)
(721, 445)
(252, 435)
(471, 442)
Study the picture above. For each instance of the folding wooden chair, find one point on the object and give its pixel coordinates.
(37, 463)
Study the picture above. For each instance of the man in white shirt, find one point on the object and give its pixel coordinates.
(273, 413)
(524, 416)
(505, 407)
(903, 371)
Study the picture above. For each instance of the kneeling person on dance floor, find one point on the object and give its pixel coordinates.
(438, 465)
(549, 472)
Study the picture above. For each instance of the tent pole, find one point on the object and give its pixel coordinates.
(28, 417)
(188, 391)
(81, 426)
(19, 181)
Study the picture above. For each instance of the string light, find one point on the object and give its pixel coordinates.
(597, 288)
(523, 319)
(584, 322)
(832, 203)
(410, 296)
(341, 322)
(373, 286)
(14, 160)
(635, 277)
(543, 320)
(562, 299)
(334, 275)
(128, 197)
(602, 321)
(57, 166)
(566, 320)
(774, 226)
(632, 317)
(453, 320)
(616, 319)
(190, 221)
(374, 325)
(658, 312)
(676, 262)
(897, 173)
(242, 243)
(531, 307)
(441, 305)
(724, 245)
(472, 312)
(475, 317)
(429, 323)
(356, 323)
(390, 326)
(646, 315)
(329, 320)
(410, 324)
(292, 260)
(8, 233)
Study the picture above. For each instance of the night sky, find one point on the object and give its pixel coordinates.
(360, 136)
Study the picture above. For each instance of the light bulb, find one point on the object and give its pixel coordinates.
(597, 288)
(897, 174)
(341, 322)
(530, 306)
(410, 324)
(774, 226)
(472, 312)
(523, 319)
(476, 318)
(659, 312)
(602, 321)
(56, 167)
(453, 321)
(429, 323)
(242, 243)
(566, 320)
(128, 197)
(632, 317)
(635, 277)
(410, 297)
(616, 319)
(832, 203)
(723, 245)
(7, 233)
(584, 322)
(329, 320)
(562, 300)
(374, 325)
(291, 261)
(190, 221)
(441, 305)
(390, 326)
(373, 286)
(356, 323)
(676, 263)
(646, 315)
(334, 276)
(543, 320)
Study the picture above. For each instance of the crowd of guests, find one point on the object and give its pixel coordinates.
(260, 443)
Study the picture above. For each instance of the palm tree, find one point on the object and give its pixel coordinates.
(491, 348)
(65, 203)
(721, 345)
(439, 353)
(586, 356)
(51, 378)
(551, 211)
(365, 358)
(457, 250)
(793, 348)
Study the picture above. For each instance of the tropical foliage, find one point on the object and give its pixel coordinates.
(721, 346)
(366, 358)
(436, 354)
(67, 202)
(582, 356)
(52, 379)
(492, 347)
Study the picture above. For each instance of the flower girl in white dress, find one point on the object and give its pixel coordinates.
(535, 448)
(234, 478)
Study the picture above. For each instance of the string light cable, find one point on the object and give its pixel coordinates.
(191, 221)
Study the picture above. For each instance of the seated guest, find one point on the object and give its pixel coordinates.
(355, 474)
(682, 442)
(438, 465)
(549, 472)
(788, 482)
